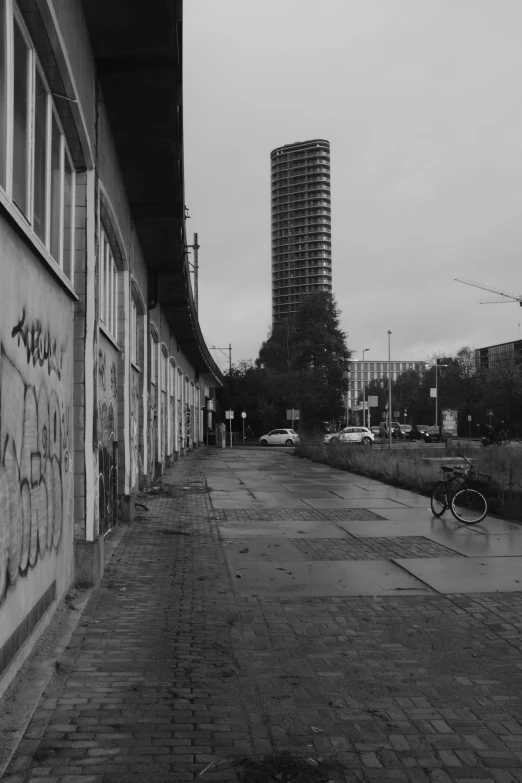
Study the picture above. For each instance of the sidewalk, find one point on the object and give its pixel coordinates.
(314, 626)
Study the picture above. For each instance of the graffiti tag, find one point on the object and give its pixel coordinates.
(39, 345)
(102, 365)
(31, 473)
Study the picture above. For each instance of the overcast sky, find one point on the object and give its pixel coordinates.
(421, 101)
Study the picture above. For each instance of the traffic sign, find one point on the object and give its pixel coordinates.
(229, 414)
(491, 413)
(243, 415)
(433, 392)
(469, 418)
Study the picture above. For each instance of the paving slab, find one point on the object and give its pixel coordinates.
(241, 551)
(473, 545)
(281, 529)
(432, 528)
(275, 500)
(355, 503)
(407, 514)
(467, 575)
(499, 527)
(326, 578)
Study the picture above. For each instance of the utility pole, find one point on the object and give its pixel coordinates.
(229, 349)
(389, 392)
(364, 387)
(195, 267)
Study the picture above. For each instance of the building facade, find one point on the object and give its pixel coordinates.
(104, 374)
(363, 372)
(502, 358)
(301, 224)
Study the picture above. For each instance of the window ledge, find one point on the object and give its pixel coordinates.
(106, 333)
(43, 254)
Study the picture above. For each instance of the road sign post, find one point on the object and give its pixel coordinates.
(230, 415)
(292, 414)
(243, 417)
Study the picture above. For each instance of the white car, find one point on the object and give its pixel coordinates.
(352, 435)
(279, 438)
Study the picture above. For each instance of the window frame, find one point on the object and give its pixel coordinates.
(134, 332)
(25, 213)
(107, 286)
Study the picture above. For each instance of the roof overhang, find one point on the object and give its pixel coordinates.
(137, 46)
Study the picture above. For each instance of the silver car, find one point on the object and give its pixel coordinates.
(279, 438)
(352, 435)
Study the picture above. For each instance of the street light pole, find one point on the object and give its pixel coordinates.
(436, 394)
(389, 391)
(364, 388)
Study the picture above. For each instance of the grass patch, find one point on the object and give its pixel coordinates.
(412, 469)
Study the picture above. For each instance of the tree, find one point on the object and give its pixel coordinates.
(306, 359)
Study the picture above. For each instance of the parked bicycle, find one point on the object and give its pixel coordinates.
(467, 504)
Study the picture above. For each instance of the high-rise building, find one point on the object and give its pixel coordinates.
(301, 224)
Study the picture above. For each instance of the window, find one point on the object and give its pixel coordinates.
(153, 359)
(41, 104)
(164, 369)
(56, 188)
(108, 285)
(36, 171)
(3, 94)
(21, 119)
(133, 332)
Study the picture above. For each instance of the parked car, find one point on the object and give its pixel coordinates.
(279, 438)
(351, 435)
(405, 431)
(395, 428)
(418, 431)
(435, 434)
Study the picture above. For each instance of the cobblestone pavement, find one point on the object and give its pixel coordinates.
(172, 674)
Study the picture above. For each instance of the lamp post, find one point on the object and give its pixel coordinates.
(438, 363)
(364, 388)
(436, 394)
(389, 390)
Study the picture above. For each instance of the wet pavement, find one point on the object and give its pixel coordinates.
(277, 604)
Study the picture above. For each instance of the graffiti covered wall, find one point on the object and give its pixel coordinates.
(36, 471)
(107, 435)
(135, 452)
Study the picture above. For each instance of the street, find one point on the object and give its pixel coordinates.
(260, 603)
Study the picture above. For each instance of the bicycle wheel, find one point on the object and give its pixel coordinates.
(469, 506)
(439, 501)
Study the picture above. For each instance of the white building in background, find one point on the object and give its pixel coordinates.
(365, 371)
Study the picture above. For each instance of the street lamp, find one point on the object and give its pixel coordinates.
(364, 388)
(437, 365)
(389, 391)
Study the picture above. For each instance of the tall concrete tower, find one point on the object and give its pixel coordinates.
(301, 224)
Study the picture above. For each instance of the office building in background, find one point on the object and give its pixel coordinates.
(301, 224)
(364, 372)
